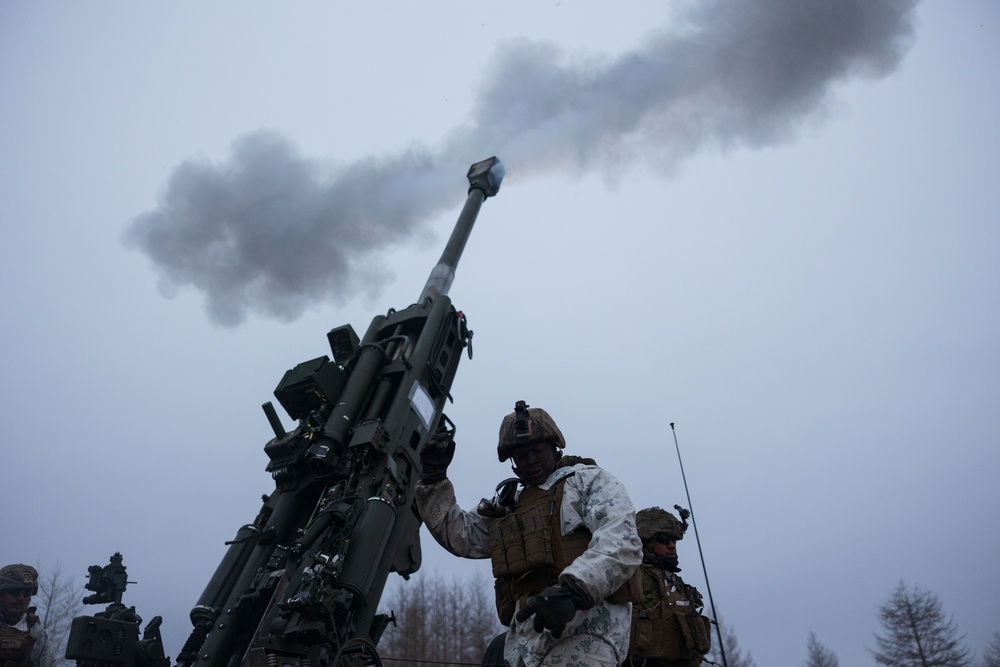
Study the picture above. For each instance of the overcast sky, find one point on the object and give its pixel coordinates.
(773, 224)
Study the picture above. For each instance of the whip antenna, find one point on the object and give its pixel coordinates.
(694, 524)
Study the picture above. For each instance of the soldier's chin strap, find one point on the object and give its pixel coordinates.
(559, 461)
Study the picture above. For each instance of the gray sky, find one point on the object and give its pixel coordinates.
(770, 226)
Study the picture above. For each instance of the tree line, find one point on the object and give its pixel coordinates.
(450, 622)
(439, 621)
(915, 632)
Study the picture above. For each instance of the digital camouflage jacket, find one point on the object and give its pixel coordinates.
(592, 499)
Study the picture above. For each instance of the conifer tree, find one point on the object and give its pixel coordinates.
(991, 656)
(917, 634)
(734, 654)
(819, 655)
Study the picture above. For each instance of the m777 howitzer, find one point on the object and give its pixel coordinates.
(300, 585)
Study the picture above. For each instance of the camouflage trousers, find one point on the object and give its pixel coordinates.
(580, 650)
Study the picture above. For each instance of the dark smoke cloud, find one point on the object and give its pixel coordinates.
(271, 232)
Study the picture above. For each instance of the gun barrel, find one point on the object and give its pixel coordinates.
(484, 181)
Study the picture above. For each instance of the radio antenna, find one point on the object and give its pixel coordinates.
(694, 524)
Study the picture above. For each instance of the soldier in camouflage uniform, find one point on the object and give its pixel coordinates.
(668, 629)
(562, 540)
(19, 628)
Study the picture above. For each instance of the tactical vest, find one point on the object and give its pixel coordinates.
(666, 625)
(529, 551)
(16, 645)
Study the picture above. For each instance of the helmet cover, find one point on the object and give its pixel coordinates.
(524, 426)
(17, 576)
(655, 521)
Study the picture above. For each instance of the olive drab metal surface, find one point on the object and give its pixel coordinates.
(300, 584)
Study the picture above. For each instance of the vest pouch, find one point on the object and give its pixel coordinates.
(656, 637)
(505, 601)
(15, 647)
(537, 534)
(519, 543)
(694, 629)
(685, 616)
(701, 633)
(641, 634)
(670, 641)
(498, 545)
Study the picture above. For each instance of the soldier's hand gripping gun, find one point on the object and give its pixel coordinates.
(299, 586)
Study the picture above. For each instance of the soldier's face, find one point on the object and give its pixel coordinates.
(665, 546)
(534, 462)
(16, 602)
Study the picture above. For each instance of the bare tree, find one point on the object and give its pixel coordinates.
(819, 655)
(734, 654)
(917, 634)
(482, 620)
(991, 656)
(405, 641)
(58, 602)
(448, 623)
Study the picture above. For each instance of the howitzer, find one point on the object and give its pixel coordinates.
(300, 585)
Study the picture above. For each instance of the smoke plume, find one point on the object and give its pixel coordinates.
(271, 232)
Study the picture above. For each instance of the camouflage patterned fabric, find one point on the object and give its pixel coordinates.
(18, 575)
(16, 646)
(19, 645)
(592, 498)
(668, 629)
(653, 521)
(541, 427)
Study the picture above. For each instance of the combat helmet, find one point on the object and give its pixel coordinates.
(524, 426)
(17, 576)
(655, 521)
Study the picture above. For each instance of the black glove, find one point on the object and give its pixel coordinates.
(554, 607)
(435, 457)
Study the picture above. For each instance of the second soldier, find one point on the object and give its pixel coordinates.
(668, 628)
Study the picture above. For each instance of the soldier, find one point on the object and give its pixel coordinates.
(563, 546)
(19, 627)
(668, 629)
